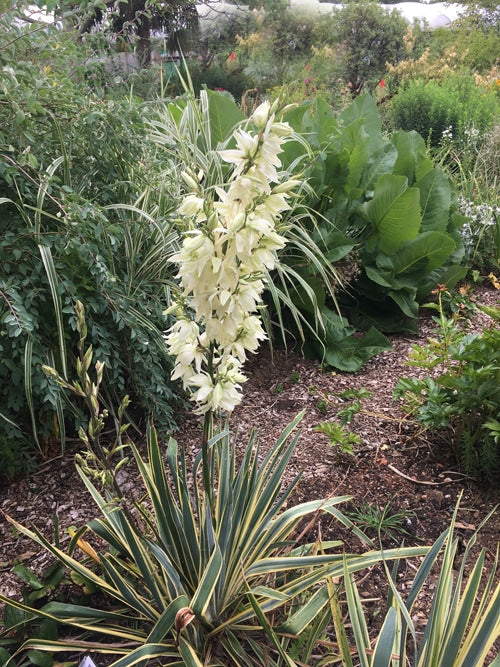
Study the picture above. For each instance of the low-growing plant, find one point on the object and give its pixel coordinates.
(380, 521)
(459, 395)
(340, 438)
(167, 557)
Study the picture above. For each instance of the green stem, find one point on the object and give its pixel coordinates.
(206, 459)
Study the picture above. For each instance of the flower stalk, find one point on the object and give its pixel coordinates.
(227, 251)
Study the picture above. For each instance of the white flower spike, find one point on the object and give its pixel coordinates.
(222, 264)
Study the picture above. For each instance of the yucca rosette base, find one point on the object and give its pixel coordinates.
(248, 586)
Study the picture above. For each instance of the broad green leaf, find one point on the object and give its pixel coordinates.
(224, 115)
(428, 251)
(383, 278)
(448, 276)
(40, 658)
(357, 141)
(28, 576)
(350, 353)
(314, 120)
(4, 656)
(406, 300)
(309, 294)
(379, 163)
(412, 155)
(365, 109)
(435, 200)
(394, 212)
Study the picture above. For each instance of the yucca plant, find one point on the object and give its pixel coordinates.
(206, 568)
(463, 622)
(167, 559)
(187, 575)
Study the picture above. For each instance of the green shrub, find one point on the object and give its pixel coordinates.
(78, 181)
(458, 400)
(452, 107)
(384, 215)
(278, 50)
(93, 259)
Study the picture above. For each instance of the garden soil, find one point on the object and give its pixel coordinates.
(396, 467)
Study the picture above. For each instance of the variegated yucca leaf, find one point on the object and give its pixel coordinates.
(249, 587)
(463, 622)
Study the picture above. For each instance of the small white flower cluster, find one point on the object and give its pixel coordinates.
(472, 133)
(481, 218)
(447, 134)
(222, 264)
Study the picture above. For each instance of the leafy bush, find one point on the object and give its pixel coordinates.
(118, 269)
(278, 49)
(65, 155)
(384, 215)
(434, 108)
(459, 398)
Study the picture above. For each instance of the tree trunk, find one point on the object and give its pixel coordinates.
(144, 42)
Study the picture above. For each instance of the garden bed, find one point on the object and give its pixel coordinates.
(395, 466)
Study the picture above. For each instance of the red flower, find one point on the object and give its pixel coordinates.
(232, 56)
(382, 83)
(307, 67)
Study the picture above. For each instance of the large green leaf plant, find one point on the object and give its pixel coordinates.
(382, 207)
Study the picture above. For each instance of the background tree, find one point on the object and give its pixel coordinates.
(138, 20)
(368, 37)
